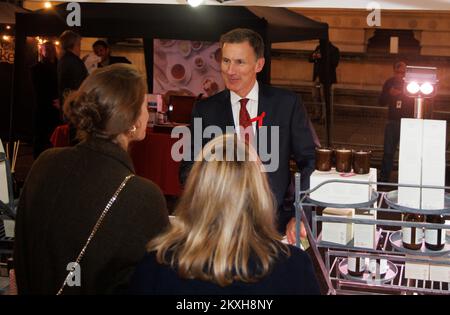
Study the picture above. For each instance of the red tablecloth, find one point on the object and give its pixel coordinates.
(151, 158)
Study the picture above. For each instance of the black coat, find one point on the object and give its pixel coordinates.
(71, 73)
(64, 194)
(116, 59)
(284, 109)
(320, 67)
(289, 275)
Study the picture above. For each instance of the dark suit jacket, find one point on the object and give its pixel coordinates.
(71, 73)
(64, 194)
(282, 109)
(115, 59)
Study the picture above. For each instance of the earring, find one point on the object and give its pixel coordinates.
(133, 129)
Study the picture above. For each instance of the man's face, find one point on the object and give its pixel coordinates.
(77, 47)
(101, 51)
(239, 67)
(400, 71)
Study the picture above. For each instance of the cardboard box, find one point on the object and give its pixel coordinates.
(410, 161)
(364, 235)
(9, 226)
(415, 270)
(342, 193)
(440, 273)
(433, 163)
(334, 232)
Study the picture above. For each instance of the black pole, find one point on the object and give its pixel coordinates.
(325, 49)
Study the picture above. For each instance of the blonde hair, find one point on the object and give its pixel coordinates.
(225, 220)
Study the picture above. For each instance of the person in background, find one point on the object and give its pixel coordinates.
(102, 50)
(67, 190)
(71, 70)
(244, 99)
(399, 106)
(46, 114)
(223, 239)
(320, 72)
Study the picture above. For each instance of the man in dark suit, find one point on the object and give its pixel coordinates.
(71, 70)
(46, 113)
(241, 102)
(101, 49)
(320, 72)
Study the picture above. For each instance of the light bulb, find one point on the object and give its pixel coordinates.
(413, 87)
(426, 88)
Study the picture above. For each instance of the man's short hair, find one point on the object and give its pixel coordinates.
(241, 35)
(68, 39)
(399, 63)
(102, 43)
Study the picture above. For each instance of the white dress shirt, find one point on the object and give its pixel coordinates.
(252, 106)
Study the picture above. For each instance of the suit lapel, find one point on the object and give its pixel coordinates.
(227, 111)
(264, 106)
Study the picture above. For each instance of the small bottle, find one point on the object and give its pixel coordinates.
(356, 266)
(412, 237)
(435, 238)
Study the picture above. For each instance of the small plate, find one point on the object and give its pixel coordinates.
(396, 242)
(184, 47)
(183, 79)
(166, 42)
(391, 199)
(367, 277)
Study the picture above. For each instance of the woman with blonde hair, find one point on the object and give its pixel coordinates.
(83, 204)
(223, 239)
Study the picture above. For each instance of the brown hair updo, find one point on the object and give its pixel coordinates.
(107, 103)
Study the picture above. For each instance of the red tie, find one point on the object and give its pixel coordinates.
(244, 121)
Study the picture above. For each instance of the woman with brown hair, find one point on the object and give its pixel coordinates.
(83, 204)
(223, 239)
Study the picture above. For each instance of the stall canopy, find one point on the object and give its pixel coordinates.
(149, 21)
(8, 12)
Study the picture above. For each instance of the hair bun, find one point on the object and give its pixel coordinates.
(84, 112)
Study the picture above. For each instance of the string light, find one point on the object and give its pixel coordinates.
(8, 27)
(194, 3)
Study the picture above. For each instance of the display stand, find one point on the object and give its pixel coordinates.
(332, 258)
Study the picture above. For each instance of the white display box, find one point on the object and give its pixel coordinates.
(9, 226)
(334, 232)
(415, 270)
(342, 193)
(364, 235)
(410, 161)
(440, 273)
(433, 163)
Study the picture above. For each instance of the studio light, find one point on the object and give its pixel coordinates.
(420, 83)
(194, 3)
